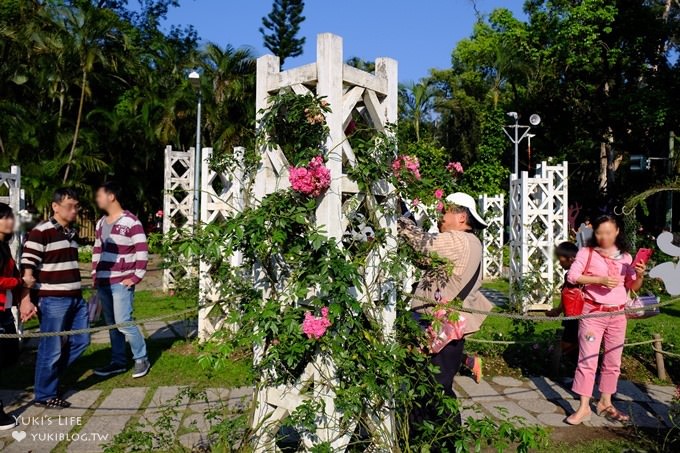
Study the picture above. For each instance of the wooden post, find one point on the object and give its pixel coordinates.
(660, 366)
(556, 354)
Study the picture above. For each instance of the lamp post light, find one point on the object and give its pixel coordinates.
(529, 137)
(195, 80)
(516, 138)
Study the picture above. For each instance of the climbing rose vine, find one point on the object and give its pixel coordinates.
(406, 167)
(312, 180)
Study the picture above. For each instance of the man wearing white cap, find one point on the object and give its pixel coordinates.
(456, 243)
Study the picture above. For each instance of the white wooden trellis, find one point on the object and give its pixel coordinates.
(178, 199)
(347, 90)
(538, 222)
(493, 209)
(221, 198)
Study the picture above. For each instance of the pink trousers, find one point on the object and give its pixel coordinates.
(592, 333)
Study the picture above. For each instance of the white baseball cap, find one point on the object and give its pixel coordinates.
(466, 201)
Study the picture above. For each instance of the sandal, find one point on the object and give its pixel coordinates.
(54, 403)
(613, 414)
(574, 421)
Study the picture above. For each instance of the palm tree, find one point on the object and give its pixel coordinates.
(417, 101)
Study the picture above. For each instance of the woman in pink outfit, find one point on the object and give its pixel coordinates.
(606, 271)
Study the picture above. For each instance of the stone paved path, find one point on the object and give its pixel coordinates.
(96, 417)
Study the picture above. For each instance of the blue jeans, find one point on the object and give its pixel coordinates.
(58, 314)
(116, 303)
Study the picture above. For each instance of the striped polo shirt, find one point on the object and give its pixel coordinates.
(121, 255)
(54, 260)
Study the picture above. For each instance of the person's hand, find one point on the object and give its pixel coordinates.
(610, 282)
(640, 269)
(27, 310)
(128, 282)
(29, 281)
(552, 313)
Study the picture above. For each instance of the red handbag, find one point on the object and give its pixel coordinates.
(573, 299)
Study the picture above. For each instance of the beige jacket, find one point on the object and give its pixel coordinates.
(464, 250)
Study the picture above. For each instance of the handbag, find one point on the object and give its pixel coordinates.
(573, 299)
(642, 302)
(448, 330)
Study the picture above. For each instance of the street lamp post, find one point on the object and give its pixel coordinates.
(529, 137)
(195, 80)
(516, 138)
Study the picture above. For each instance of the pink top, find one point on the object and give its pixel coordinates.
(601, 266)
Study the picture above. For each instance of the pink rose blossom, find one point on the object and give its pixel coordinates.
(312, 180)
(314, 326)
(415, 202)
(406, 165)
(455, 167)
(440, 206)
(438, 194)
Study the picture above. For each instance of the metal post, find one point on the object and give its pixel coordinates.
(197, 164)
(516, 146)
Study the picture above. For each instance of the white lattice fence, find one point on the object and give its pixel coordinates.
(493, 210)
(348, 91)
(538, 221)
(221, 198)
(13, 195)
(178, 202)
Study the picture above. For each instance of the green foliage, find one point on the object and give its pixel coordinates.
(283, 24)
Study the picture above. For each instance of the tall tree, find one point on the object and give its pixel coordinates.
(283, 25)
(417, 101)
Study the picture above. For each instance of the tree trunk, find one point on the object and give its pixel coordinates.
(77, 129)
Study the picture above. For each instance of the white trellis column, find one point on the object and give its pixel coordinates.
(348, 91)
(178, 199)
(221, 198)
(493, 208)
(538, 221)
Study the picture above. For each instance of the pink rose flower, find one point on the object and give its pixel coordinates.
(438, 194)
(315, 326)
(440, 206)
(312, 180)
(455, 167)
(415, 202)
(406, 166)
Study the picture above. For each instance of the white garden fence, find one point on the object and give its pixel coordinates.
(493, 210)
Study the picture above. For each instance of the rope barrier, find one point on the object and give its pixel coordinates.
(538, 341)
(537, 318)
(669, 354)
(65, 333)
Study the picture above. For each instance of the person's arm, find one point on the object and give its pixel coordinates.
(635, 276)
(8, 283)
(576, 274)
(136, 233)
(96, 251)
(424, 242)
(31, 258)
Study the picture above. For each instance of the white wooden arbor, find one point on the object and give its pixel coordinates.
(493, 209)
(348, 91)
(15, 198)
(538, 222)
(178, 199)
(221, 198)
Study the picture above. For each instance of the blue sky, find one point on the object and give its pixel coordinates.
(419, 34)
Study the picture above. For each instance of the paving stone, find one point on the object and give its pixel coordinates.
(602, 422)
(522, 393)
(507, 381)
(196, 422)
(162, 333)
(100, 430)
(661, 411)
(539, 406)
(642, 417)
(124, 401)
(481, 392)
(48, 427)
(660, 393)
(569, 406)
(511, 410)
(627, 391)
(552, 420)
(165, 398)
(550, 389)
(475, 411)
(194, 440)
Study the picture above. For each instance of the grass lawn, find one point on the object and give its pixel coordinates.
(174, 362)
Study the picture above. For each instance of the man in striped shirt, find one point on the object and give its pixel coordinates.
(119, 262)
(50, 265)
